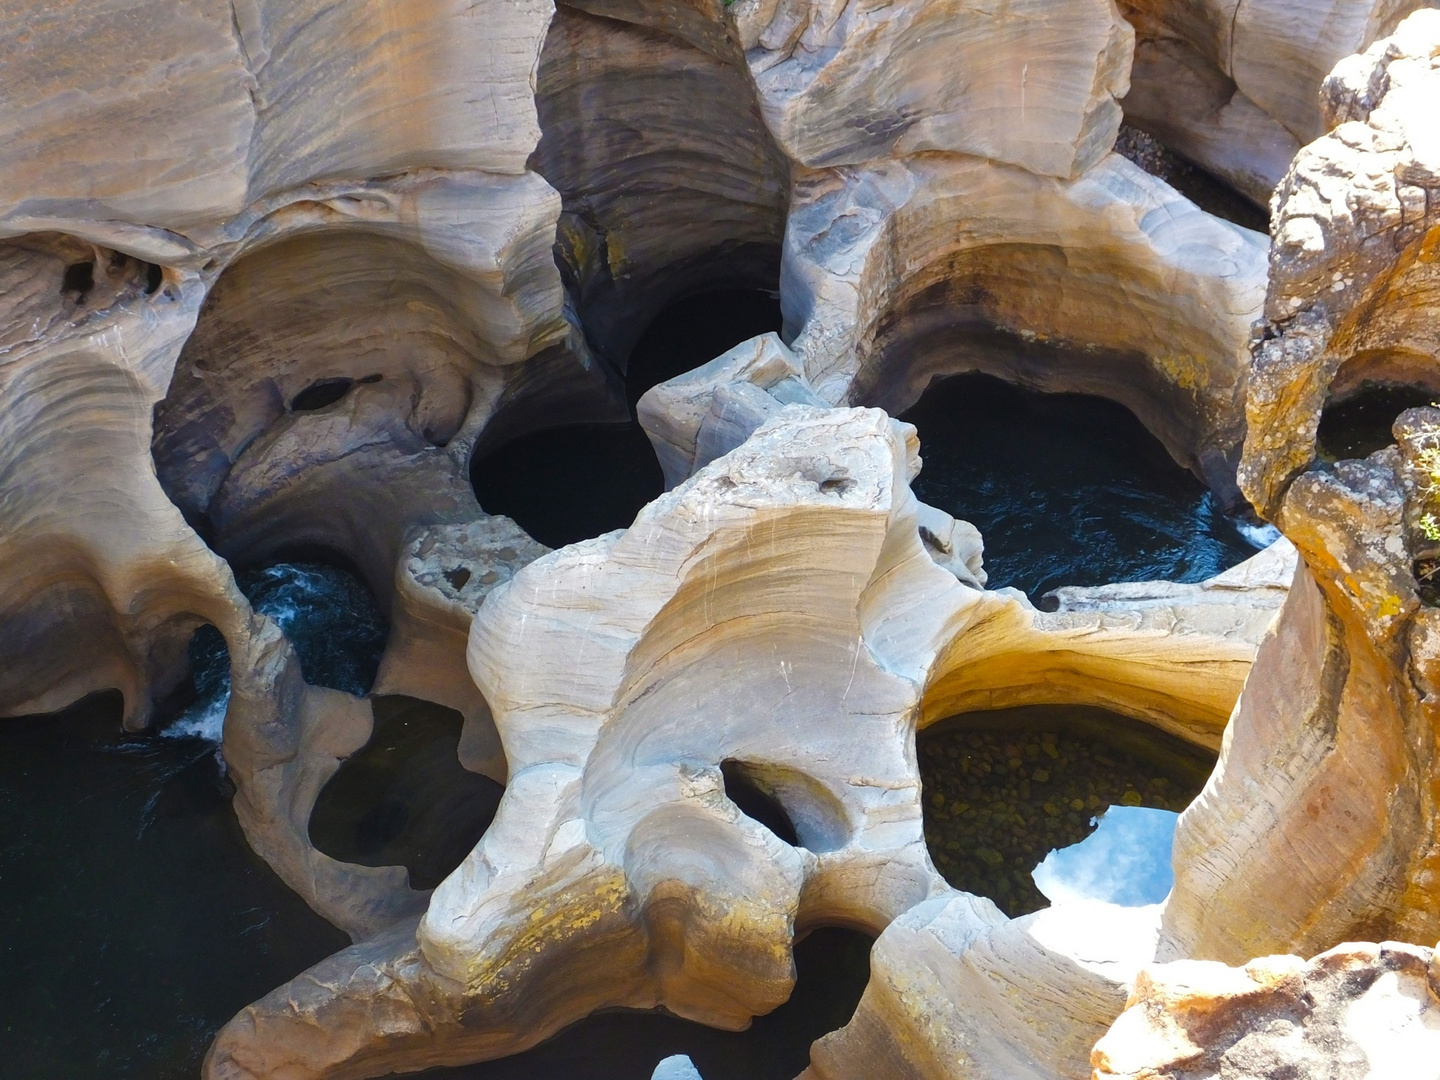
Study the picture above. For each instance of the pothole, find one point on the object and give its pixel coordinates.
(1003, 789)
(566, 484)
(1359, 424)
(404, 799)
(1067, 489)
(1206, 191)
(832, 966)
(137, 918)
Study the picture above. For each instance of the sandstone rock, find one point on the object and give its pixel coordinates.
(1356, 1010)
(444, 574)
(704, 414)
(1318, 825)
(178, 116)
(671, 182)
(1032, 83)
(615, 864)
(898, 274)
(958, 992)
(1233, 86)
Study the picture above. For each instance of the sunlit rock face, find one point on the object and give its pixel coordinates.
(1363, 1010)
(1319, 825)
(272, 272)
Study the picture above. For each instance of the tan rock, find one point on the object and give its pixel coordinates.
(1032, 83)
(671, 181)
(177, 116)
(958, 992)
(1359, 1009)
(888, 270)
(1318, 825)
(1234, 86)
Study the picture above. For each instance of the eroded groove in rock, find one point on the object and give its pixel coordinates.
(1328, 779)
(671, 182)
(904, 273)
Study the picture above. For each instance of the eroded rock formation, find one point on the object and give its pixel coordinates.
(1328, 782)
(1361, 1010)
(360, 242)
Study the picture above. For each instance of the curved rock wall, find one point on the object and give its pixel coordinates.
(671, 182)
(346, 191)
(1319, 824)
(1233, 85)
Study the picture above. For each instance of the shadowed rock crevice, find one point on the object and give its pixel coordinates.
(564, 484)
(671, 184)
(404, 799)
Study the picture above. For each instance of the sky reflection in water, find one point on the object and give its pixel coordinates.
(1125, 861)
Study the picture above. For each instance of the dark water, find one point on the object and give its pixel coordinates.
(832, 967)
(1360, 424)
(1001, 789)
(1066, 489)
(565, 484)
(136, 920)
(405, 799)
(327, 614)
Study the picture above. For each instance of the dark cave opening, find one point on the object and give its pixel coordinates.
(1066, 489)
(570, 483)
(404, 799)
(1003, 788)
(754, 802)
(320, 393)
(1359, 424)
(832, 966)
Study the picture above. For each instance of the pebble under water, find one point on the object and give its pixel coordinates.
(136, 918)
(1067, 489)
(566, 484)
(832, 967)
(1002, 789)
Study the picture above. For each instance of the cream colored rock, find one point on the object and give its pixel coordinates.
(650, 886)
(444, 574)
(1357, 1010)
(1031, 83)
(180, 115)
(1178, 95)
(782, 596)
(1235, 86)
(1176, 656)
(1319, 825)
(959, 992)
(907, 271)
(697, 417)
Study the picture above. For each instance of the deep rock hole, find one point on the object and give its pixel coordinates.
(1002, 789)
(756, 803)
(404, 799)
(1066, 489)
(1358, 424)
(565, 484)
